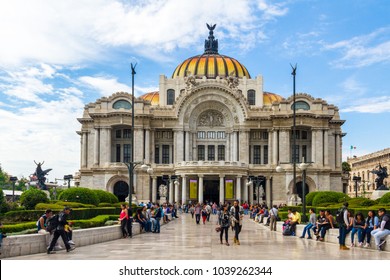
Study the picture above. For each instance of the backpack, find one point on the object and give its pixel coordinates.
(340, 216)
(287, 230)
(52, 223)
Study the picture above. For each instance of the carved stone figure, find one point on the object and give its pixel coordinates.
(163, 190)
(190, 81)
(40, 174)
(381, 173)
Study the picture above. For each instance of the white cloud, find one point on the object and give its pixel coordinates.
(362, 51)
(369, 105)
(69, 32)
(105, 85)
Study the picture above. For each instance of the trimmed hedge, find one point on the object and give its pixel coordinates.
(106, 197)
(328, 197)
(32, 197)
(385, 199)
(76, 214)
(59, 205)
(80, 195)
(18, 227)
(309, 198)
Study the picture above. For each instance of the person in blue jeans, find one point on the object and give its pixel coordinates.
(358, 227)
(312, 223)
(372, 222)
(343, 227)
(157, 216)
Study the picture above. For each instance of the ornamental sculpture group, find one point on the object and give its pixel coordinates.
(381, 173)
(39, 176)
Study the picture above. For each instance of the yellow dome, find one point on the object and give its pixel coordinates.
(211, 66)
(153, 97)
(269, 98)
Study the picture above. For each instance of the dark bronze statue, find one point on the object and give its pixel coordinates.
(211, 45)
(40, 175)
(381, 173)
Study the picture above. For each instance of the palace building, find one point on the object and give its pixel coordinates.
(209, 130)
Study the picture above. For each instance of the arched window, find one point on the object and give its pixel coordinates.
(170, 96)
(301, 105)
(251, 97)
(121, 104)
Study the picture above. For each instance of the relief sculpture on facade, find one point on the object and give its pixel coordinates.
(210, 118)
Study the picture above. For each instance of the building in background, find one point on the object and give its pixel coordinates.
(362, 167)
(211, 126)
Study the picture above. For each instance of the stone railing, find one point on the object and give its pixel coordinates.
(211, 163)
(27, 244)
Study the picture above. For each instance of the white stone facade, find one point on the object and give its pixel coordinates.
(208, 116)
(362, 167)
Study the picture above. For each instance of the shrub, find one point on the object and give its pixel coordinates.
(106, 197)
(3, 204)
(81, 195)
(309, 198)
(59, 205)
(32, 197)
(385, 199)
(327, 197)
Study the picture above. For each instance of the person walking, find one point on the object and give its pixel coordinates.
(198, 210)
(123, 217)
(343, 221)
(224, 222)
(60, 231)
(237, 215)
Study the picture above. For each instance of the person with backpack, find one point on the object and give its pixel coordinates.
(380, 233)
(224, 222)
(42, 221)
(237, 213)
(342, 220)
(60, 231)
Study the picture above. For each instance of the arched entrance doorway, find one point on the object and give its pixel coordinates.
(299, 189)
(121, 190)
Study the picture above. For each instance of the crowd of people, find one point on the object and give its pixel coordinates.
(151, 215)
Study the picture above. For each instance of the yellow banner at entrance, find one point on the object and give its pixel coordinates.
(193, 189)
(229, 189)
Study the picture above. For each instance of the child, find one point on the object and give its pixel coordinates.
(68, 230)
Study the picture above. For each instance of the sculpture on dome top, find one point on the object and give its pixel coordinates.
(211, 45)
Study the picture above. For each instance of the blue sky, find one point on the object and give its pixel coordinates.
(57, 56)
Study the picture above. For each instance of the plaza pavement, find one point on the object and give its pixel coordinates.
(182, 239)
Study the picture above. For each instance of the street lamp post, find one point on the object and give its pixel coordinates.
(68, 178)
(13, 179)
(303, 166)
(294, 155)
(356, 179)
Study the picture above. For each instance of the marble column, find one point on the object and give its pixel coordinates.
(338, 151)
(222, 188)
(270, 148)
(235, 146)
(284, 138)
(187, 146)
(238, 188)
(96, 148)
(200, 190)
(245, 192)
(84, 150)
(147, 145)
(326, 148)
(171, 191)
(194, 148)
(154, 189)
(319, 148)
(275, 145)
(177, 191)
(251, 186)
(228, 147)
(268, 192)
(184, 190)
(313, 146)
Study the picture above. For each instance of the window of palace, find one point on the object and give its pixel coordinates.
(121, 144)
(121, 104)
(251, 96)
(258, 146)
(201, 152)
(170, 96)
(303, 145)
(301, 105)
(221, 152)
(163, 148)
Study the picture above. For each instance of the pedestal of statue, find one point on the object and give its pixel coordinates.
(378, 194)
(163, 200)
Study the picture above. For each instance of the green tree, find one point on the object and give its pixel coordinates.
(4, 178)
(346, 167)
